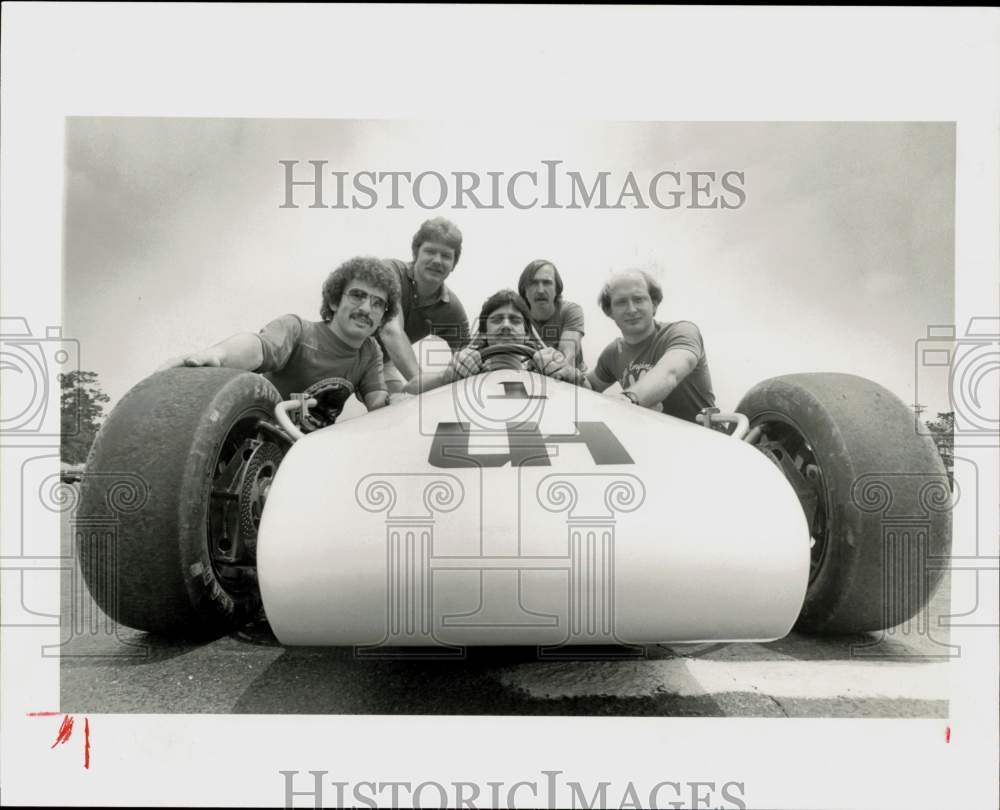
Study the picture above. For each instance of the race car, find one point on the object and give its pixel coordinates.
(510, 508)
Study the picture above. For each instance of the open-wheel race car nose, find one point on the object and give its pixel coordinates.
(509, 508)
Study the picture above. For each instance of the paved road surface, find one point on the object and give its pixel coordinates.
(118, 670)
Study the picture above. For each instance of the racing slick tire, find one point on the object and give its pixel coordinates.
(182, 469)
(875, 492)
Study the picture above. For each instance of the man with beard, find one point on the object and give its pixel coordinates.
(661, 366)
(559, 323)
(427, 305)
(504, 318)
(358, 298)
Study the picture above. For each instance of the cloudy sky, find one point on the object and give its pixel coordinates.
(839, 260)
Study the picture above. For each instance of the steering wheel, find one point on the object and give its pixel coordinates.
(330, 394)
(516, 349)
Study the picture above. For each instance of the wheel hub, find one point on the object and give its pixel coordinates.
(792, 454)
(239, 492)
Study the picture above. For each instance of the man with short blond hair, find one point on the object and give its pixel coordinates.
(662, 366)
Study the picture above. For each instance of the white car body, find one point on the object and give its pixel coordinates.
(555, 517)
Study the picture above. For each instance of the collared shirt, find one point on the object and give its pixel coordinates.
(444, 316)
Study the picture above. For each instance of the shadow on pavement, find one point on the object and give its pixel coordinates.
(335, 681)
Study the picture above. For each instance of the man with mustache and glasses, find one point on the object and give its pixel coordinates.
(358, 298)
(661, 366)
(427, 305)
(559, 323)
(504, 318)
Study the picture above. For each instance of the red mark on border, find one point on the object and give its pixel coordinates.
(66, 731)
(947, 734)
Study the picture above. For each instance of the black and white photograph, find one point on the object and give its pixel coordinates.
(344, 434)
(548, 495)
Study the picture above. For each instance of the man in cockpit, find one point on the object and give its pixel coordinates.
(505, 319)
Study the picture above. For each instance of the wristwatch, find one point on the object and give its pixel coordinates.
(631, 395)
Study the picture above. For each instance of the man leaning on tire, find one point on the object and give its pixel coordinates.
(358, 298)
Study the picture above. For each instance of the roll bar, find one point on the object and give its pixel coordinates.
(710, 417)
(281, 411)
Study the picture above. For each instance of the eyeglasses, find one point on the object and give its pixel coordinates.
(358, 297)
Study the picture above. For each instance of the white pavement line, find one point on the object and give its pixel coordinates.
(698, 678)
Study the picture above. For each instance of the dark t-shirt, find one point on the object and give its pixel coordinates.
(298, 353)
(567, 316)
(625, 363)
(444, 316)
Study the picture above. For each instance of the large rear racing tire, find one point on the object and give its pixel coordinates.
(875, 492)
(183, 562)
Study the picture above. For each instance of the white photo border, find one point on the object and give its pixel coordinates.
(549, 63)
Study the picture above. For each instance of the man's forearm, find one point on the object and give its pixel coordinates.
(596, 383)
(651, 390)
(243, 351)
(572, 375)
(428, 380)
(569, 345)
(376, 399)
(397, 344)
(660, 381)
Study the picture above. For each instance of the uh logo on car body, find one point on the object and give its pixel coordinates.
(526, 445)
(450, 579)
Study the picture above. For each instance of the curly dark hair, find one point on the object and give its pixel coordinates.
(655, 290)
(529, 273)
(440, 230)
(369, 270)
